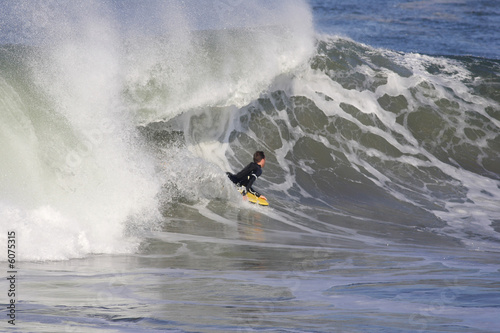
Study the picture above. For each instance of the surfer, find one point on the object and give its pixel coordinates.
(249, 174)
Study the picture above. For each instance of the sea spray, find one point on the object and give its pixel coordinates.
(181, 70)
(89, 176)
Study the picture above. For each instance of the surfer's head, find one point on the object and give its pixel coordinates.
(259, 158)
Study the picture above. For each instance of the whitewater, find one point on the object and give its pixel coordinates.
(119, 120)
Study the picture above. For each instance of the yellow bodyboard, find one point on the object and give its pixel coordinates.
(258, 200)
(253, 199)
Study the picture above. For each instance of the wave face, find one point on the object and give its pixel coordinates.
(111, 127)
(372, 135)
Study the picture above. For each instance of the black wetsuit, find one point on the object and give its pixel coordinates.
(247, 177)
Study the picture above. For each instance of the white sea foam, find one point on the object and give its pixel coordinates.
(86, 174)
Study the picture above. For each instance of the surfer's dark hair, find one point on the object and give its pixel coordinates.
(258, 156)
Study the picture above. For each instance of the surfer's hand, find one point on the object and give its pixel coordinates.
(263, 197)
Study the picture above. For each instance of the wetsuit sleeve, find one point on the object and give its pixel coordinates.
(252, 178)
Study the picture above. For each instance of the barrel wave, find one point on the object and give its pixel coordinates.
(120, 119)
(110, 123)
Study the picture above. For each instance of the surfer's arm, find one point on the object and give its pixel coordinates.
(253, 178)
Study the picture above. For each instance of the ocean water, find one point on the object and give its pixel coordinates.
(380, 121)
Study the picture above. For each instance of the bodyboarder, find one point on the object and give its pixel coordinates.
(246, 177)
